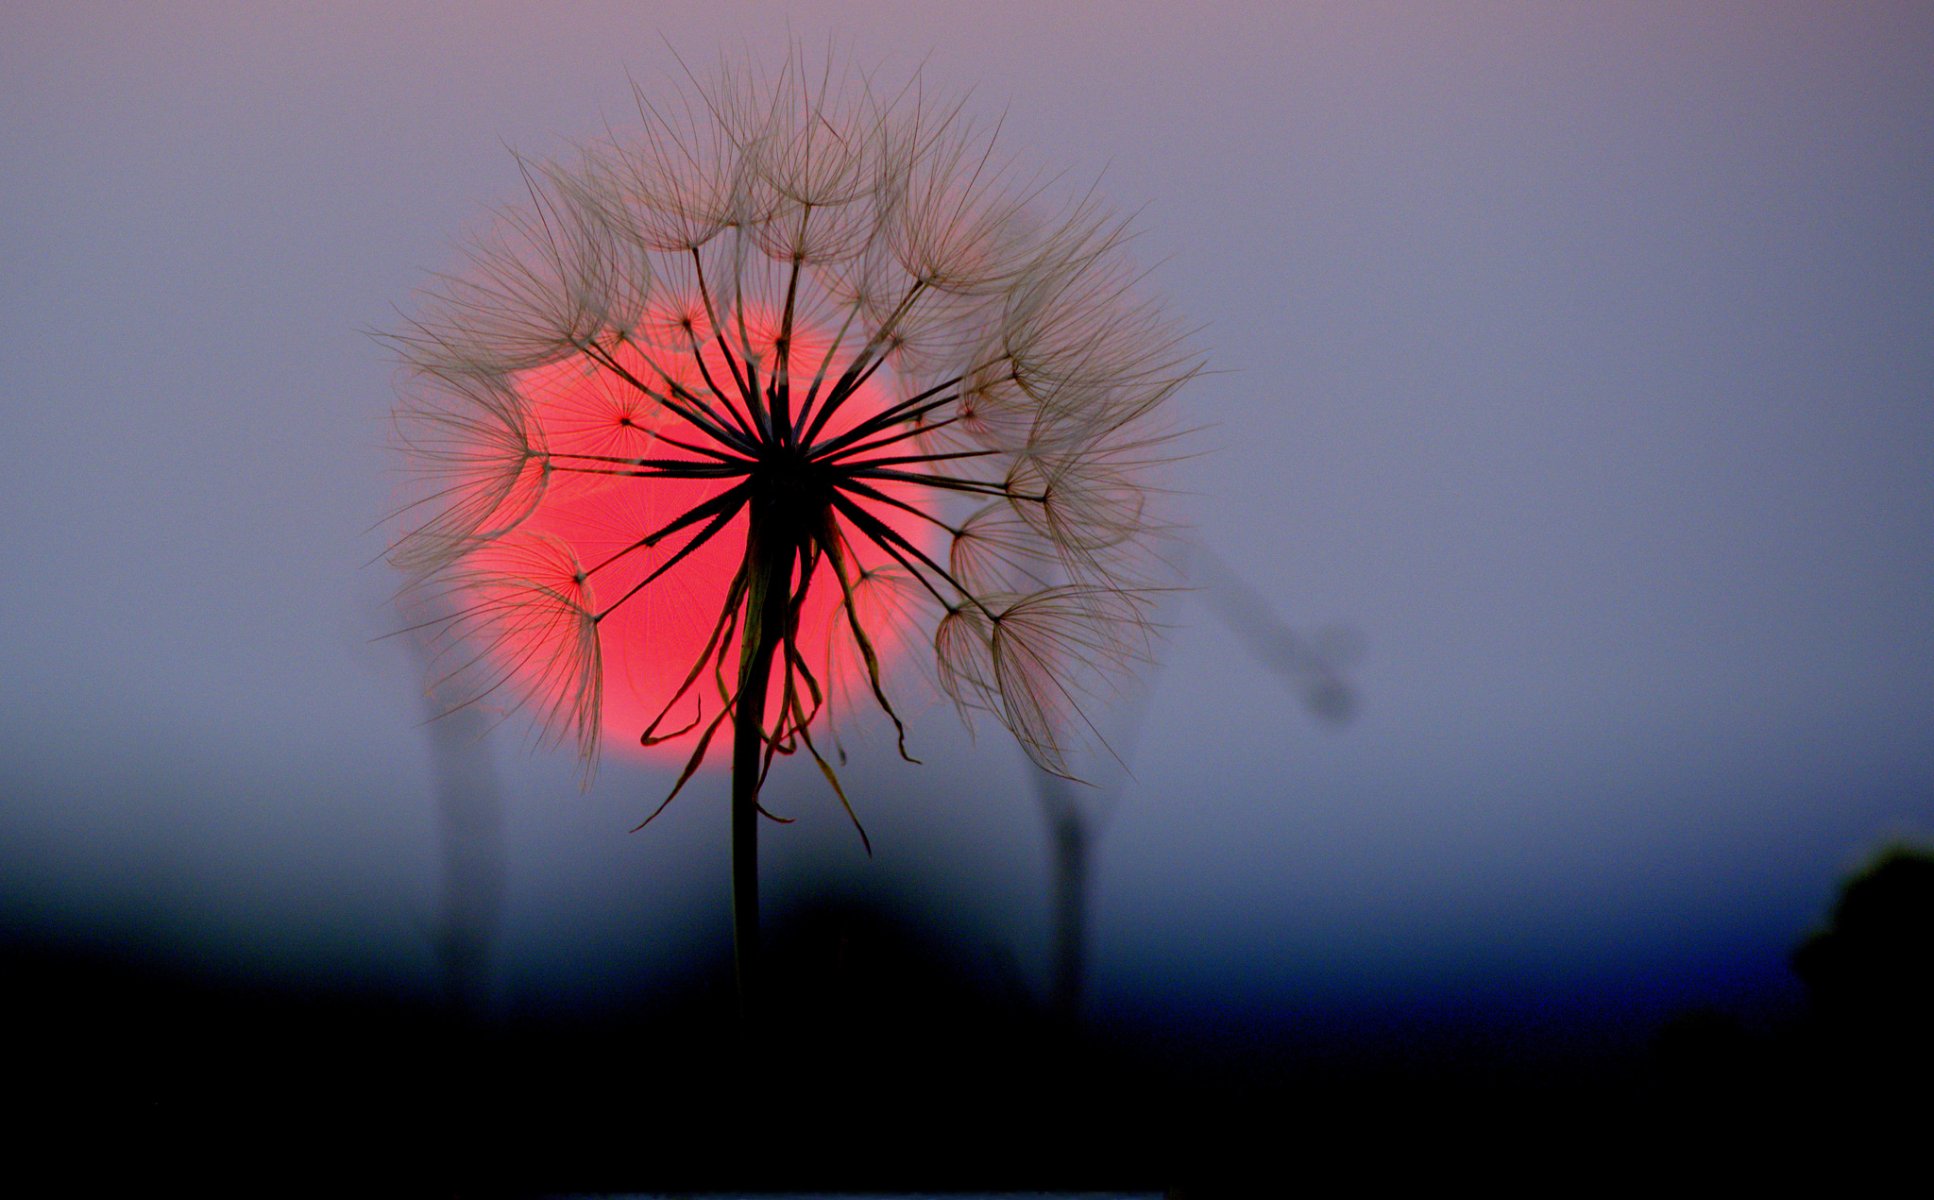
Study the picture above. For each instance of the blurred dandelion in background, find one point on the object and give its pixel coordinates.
(797, 371)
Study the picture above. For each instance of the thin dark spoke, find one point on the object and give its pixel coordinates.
(826, 360)
(873, 493)
(915, 458)
(948, 484)
(705, 373)
(872, 368)
(712, 316)
(672, 386)
(704, 423)
(781, 388)
(605, 359)
(691, 767)
(849, 384)
(723, 456)
(911, 409)
(753, 401)
(861, 361)
(830, 538)
(673, 469)
(692, 516)
(888, 440)
(886, 537)
(693, 398)
(712, 452)
(699, 539)
(728, 620)
(914, 571)
(745, 437)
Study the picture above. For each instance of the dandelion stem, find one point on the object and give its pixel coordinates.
(768, 565)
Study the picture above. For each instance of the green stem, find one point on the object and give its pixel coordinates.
(765, 622)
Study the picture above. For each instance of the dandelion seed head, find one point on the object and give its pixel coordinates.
(794, 333)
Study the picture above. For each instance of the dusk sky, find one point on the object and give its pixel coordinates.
(1570, 363)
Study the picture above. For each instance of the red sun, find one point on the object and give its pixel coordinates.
(650, 641)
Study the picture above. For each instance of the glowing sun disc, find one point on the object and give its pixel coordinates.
(651, 641)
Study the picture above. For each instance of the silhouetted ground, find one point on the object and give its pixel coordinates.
(886, 1066)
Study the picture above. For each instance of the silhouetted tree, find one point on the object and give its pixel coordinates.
(1869, 975)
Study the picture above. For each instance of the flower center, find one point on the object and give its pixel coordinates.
(656, 628)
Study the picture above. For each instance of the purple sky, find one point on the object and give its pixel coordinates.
(1576, 357)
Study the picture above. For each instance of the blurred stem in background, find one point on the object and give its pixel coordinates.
(470, 834)
(1310, 666)
(1071, 833)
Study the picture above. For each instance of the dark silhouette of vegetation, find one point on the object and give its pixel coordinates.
(1869, 974)
(1855, 1060)
(893, 1064)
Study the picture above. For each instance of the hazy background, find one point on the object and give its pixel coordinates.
(1575, 357)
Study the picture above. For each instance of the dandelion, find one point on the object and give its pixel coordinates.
(739, 398)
